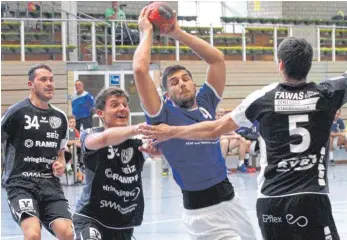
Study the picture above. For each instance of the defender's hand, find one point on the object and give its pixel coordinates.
(160, 133)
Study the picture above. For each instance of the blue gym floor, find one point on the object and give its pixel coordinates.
(162, 217)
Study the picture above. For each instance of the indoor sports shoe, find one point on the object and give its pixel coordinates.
(251, 170)
(243, 169)
(165, 173)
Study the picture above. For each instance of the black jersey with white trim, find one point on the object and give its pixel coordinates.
(294, 125)
(33, 139)
(113, 195)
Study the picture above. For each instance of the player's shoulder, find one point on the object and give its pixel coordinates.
(262, 92)
(207, 88)
(16, 108)
(270, 87)
(58, 112)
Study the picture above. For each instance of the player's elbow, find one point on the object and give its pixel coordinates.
(96, 142)
(140, 69)
(220, 56)
(218, 61)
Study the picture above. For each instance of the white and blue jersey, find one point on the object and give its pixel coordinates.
(196, 165)
(82, 105)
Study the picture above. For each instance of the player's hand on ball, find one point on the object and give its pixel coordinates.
(143, 22)
(58, 168)
(175, 29)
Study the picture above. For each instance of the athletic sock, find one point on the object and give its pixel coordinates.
(247, 159)
(241, 162)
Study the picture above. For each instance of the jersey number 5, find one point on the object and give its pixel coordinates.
(29, 124)
(303, 132)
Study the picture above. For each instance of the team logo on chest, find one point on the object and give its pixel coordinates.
(127, 155)
(55, 122)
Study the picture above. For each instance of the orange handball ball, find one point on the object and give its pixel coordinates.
(161, 16)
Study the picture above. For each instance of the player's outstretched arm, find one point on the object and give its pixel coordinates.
(142, 57)
(216, 72)
(207, 130)
(110, 137)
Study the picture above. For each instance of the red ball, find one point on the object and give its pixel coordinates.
(161, 16)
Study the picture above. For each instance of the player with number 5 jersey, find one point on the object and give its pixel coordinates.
(295, 118)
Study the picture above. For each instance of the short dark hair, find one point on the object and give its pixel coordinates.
(170, 70)
(32, 70)
(296, 55)
(105, 93)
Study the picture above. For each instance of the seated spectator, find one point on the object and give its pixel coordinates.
(114, 12)
(233, 142)
(251, 136)
(337, 135)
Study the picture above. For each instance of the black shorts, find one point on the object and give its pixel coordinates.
(89, 229)
(42, 198)
(298, 217)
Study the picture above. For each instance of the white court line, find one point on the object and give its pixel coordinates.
(13, 237)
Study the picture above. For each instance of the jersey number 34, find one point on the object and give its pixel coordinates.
(31, 123)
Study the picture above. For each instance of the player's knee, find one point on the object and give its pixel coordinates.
(31, 227)
(64, 231)
(32, 234)
(66, 234)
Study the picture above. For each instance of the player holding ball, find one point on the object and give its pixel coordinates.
(211, 209)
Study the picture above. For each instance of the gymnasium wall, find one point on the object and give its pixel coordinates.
(14, 83)
(242, 79)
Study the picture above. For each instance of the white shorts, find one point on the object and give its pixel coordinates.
(225, 221)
